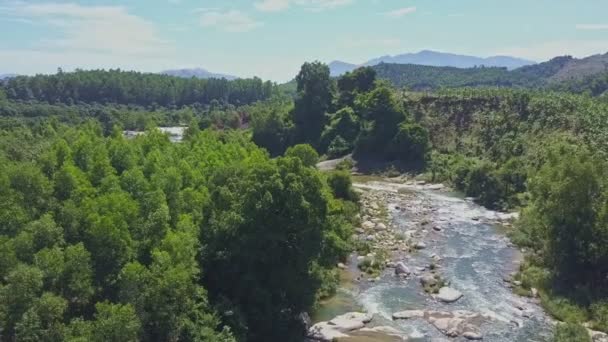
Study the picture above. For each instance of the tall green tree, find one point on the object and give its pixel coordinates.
(313, 100)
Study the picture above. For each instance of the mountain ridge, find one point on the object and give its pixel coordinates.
(434, 58)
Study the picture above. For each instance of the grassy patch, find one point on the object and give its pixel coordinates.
(563, 308)
(371, 265)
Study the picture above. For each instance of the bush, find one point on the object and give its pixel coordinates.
(571, 333)
(345, 126)
(345, 165)
(533, 276)
(410, 144)
(563, 308)
(305, 153)
(371, 266)
(483, 183)
(341, 184)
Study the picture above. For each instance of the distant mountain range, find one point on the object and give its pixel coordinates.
(198, 73)
(434, 58)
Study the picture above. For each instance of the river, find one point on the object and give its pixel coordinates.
(472, 253)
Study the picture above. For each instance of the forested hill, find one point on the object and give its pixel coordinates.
(587, 75)
(421, 77)
(128, 87)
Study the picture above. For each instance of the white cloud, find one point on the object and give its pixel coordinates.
(548, 50)
(311, 5)
(230, 21)
(400, 12)
(320, 5)
(592, 27)
(272, 5)
(100, 29)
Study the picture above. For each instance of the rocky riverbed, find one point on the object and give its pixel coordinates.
(440, 270)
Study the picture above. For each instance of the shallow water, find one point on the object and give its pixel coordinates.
(476, 257)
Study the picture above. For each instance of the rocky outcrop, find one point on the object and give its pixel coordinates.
(339, 326)
(452, 324)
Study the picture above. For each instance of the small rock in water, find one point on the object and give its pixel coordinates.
(401, 268)
(341, 266)
(428, 280)
(448, 295)
(408, 314)
(437, 228)
(472, 335)
(420, 245)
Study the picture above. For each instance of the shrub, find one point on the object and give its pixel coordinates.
(483, 183)
(305, 153)
(563, 308)
(341, 184)
(410, 144)
(345, 165)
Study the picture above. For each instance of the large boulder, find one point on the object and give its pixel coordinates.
(324, 331)
(456, 323)
(448, 295)
(339, 326)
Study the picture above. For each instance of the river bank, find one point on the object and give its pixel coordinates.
(444, 270)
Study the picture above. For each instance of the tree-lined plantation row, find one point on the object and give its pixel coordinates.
(134, 88)
(108, 239)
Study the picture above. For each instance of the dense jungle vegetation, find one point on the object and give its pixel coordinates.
(232, 234)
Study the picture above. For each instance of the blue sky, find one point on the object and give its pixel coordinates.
(272, 38)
